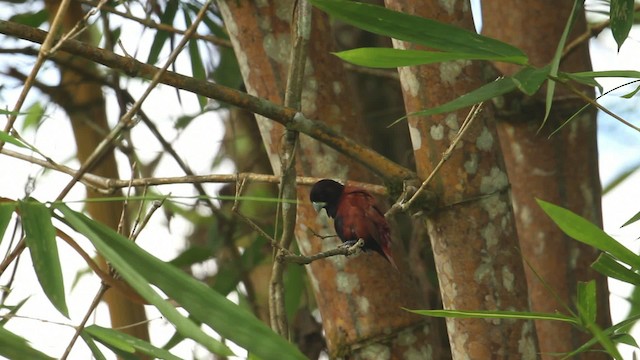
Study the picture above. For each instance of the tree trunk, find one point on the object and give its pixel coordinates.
(473, 230)
(85, 106)
(562, 169)
(359, 298)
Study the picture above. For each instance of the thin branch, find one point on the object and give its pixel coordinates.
(160, 26)
(340, 250)
(301, 30)
(127, 119)
(108, 185)
(403, 205)
(594, 103)
(290, 118)
(591, 31)
(44, 52)
(94, 304)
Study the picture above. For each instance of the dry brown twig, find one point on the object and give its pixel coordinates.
(402, 204)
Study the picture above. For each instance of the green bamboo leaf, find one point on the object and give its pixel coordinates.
(608, 266)
(33, 19)
(578, 6)
(13, 310)
(5, 137)
(587, 301)
(13, 346)
(584, 231)
(95, 350)
(140, 269)
(128, 266)
(621, 15)
(161, 36)
(418, 30)
(6, 211)
(392, 58)
(633, 219)
(589, 77)
(611, 331)
(601, 336)
(121, 341)
(41, 241)
(483, 93)
(529, 80)
(494, 314)
(197, 67)
(35, 113)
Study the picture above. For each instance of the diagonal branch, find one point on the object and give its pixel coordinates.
(391, 172)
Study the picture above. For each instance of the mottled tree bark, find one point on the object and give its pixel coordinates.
(359, 298)
(562, 169)
(473, 230)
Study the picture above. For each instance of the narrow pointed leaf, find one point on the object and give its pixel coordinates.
(633, 219)
(608, 266)
(95, 350)
(140, 268)
(584, 231)
(6, 211)
(197, 67)
(392, 58)
(578, 5)
(41, 241)
(587, 301)
(103, 238)
(494, 314)
(13, 310)
(483, 93)
(4, 137)
(621, 16)
(13, 346)
(530, 79)
(418, 30)
(128, 343)
(161, 36)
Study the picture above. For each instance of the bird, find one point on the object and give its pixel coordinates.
(356, 216)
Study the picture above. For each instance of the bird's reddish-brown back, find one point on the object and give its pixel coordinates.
(360, 217)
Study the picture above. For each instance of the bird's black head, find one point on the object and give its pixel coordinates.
(325, 194)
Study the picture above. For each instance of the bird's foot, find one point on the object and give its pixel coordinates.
(352, 246)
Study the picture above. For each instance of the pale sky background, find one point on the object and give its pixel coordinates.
(619, 149)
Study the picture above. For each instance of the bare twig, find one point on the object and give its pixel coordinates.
(594, 103)
(43, 54)
(340, 250)
(301, 29)
(253, 225)
(385, 168)
(403, 205)
(127, 119)
(160, 26)
(94, 304)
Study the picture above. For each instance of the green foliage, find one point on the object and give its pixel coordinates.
(622, 18)
(122, 342)
(13, 346)
(140, 269)
(4, 137)
(418, 30)
(167, 17)
(41, 241)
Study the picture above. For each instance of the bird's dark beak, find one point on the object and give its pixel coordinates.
(319, 206)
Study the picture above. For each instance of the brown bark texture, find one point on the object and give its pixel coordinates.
(85, 105)
(473, 231)
(359, 298)
(562, 169)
